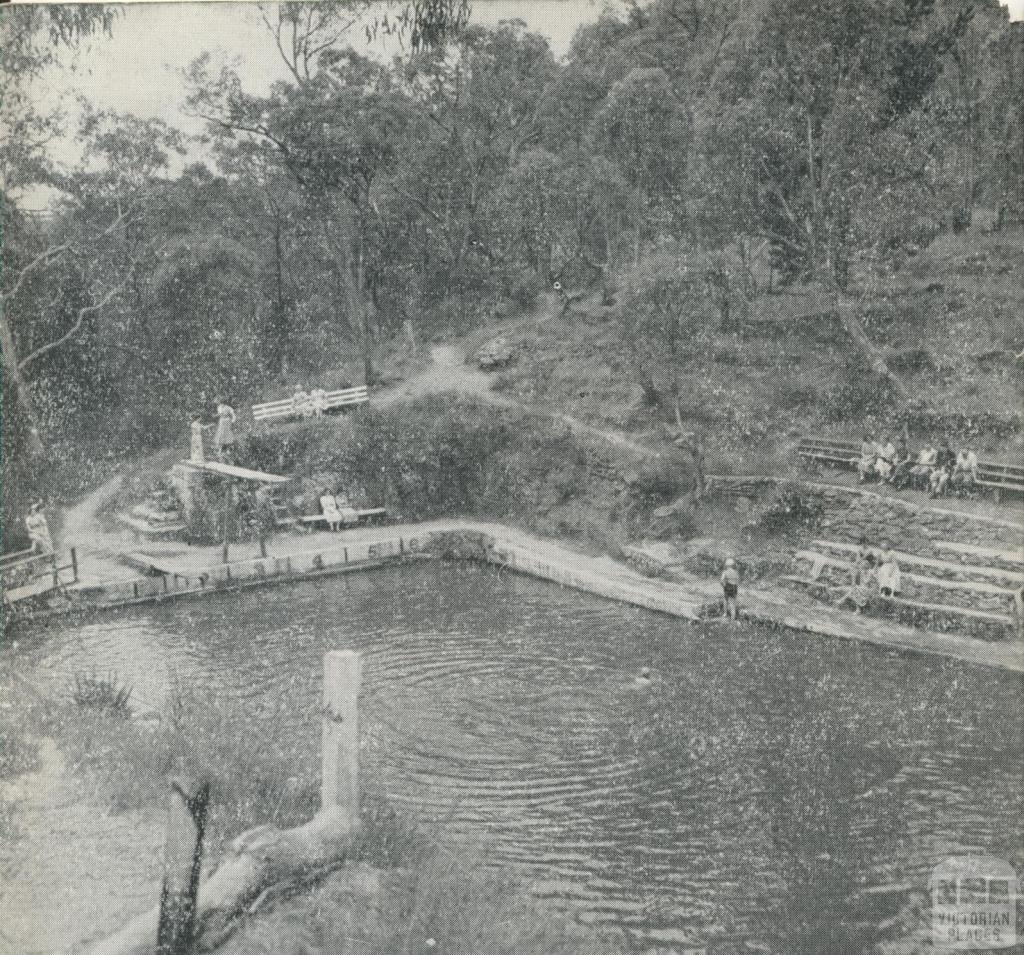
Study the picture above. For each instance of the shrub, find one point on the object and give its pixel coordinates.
(791, 508)
(104, 693)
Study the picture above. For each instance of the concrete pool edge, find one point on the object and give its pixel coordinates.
(541, 558)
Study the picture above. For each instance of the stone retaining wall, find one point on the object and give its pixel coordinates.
(851, 513)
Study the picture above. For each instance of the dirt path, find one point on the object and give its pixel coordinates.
(449, 372)
(117, 856)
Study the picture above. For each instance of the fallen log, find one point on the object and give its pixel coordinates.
(262, 857)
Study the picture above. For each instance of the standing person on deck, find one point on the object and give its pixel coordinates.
(39, 530)
(224, 439)
(731, 589)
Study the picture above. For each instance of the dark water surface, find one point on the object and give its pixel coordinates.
(754, 792)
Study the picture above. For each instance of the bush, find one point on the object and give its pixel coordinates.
(664, 478)
(791, 508)
(104, 693)
(447, 903)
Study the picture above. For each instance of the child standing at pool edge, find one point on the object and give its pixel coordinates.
(731, 589)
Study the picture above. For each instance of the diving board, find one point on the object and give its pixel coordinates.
(232, 471)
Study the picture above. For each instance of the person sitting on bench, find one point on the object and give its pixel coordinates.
(965, 472)
(900, 476)
(318, 402)
(301, 403)
(922, 470)
(886, 461)
(889, 583)
(864, 563)
(939, 479)
(329, 508)
(938, 482)
(866, 461)
(862, 580)
(346, 510)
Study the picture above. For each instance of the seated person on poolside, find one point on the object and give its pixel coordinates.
(864, 563)
(301, 403)
(939, 478)
(938, 481)
(866, 461)
(900, 476)
(862, 582)
(965, 471)
(318, 402)
(329, 508)
(886, 459)
(922, 469)
(889, 583)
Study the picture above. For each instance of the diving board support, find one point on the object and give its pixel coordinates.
(340, 779)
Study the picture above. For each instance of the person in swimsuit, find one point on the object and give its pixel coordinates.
(731, 589)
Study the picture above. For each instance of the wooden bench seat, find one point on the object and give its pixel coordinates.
(141, 528)
(333, 401)
(914, 560)
(357, 516)
(947, 609)
(1000, 476)
(986, 553)
(968, 586)
(831, 451)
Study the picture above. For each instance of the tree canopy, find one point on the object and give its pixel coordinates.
(714, 141)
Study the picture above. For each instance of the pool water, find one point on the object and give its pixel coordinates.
(749, 796)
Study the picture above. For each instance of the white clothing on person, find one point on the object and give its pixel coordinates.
(318, 401)
(224, 438)
(329, 507)
(888, 576)
(39, 532)
(926, 459)
(967, 461)
(302, 403)
(886, 459)
(866, 462)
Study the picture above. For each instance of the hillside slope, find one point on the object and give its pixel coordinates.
(951, 324)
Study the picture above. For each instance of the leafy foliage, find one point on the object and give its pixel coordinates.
(696, 153)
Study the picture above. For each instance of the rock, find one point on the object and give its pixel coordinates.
(497, 353)
(651, 560)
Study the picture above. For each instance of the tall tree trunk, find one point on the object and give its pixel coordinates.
(846, 309)
(280, 318)
(20, 386)
(813, 226)
(364, 311)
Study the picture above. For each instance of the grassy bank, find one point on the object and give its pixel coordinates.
(403, 889)
(453, 456)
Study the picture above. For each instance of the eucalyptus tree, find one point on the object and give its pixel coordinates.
(31, 38)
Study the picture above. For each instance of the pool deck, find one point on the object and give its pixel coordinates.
(110, 562)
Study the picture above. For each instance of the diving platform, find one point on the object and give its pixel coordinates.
(232, 471)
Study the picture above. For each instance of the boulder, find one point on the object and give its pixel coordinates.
(650, 558)
(497, 353)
